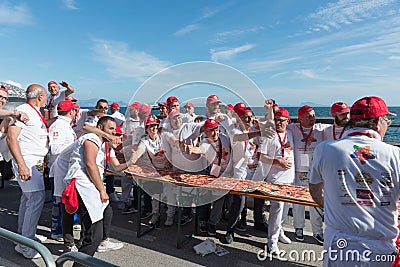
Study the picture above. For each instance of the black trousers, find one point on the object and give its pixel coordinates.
(93, 233)
(234, 211)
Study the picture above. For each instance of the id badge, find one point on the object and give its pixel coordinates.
(215, 170)
(304, 160)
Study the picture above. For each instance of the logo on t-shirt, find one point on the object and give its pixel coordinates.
(385, 180)
(364, 179)
(362, 154)
(341, 174)
(364, 194)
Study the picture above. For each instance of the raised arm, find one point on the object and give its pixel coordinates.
(69, 90)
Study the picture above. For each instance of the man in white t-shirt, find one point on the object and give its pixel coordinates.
(87, 163)
(356, 180)
(306, 136)
(118, 116)
(28, 145)
(189, 114)
(56, 95)
(61, 135)
(341, 115)
(277, 163)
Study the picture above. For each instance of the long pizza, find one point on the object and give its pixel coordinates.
(285, 191)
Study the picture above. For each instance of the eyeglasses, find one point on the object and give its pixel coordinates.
(388, 121)
(103, 107)
(3, 98)
(280, 120)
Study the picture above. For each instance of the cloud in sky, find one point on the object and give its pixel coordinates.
(120, 61)
(187, 29)
(222, 37)
(345, 12)
(70, 4)
(14, 14)
(228, 53)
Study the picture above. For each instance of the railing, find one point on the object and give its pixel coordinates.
(48, 257)
(41, 249)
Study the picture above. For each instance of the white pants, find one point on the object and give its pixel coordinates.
(277, 216)
(30, 209)
(299, 220)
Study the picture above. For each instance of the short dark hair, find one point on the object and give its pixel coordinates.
(103, 120)
(101, 100)
(63, 113)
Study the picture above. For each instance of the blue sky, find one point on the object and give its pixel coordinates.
(294, 51)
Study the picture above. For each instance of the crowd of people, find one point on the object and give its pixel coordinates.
(350, 172)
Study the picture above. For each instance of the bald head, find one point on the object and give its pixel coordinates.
(36, 94)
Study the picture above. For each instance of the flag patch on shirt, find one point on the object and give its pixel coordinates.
(362, 153)
(56, 134)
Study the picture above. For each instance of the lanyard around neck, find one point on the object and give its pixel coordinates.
(40, 115)
(283, 142)
(334, 133)
(304, 136)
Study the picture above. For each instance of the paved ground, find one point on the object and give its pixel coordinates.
(157, 248)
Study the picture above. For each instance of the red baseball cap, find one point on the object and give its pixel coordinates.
(213, 99)
(135, 105)
(171, 100)
(73, 99)
(50, 83)
(3, 88)
(161, 105)
(230, 106)
(369, 107)
(173, 112)
(66, 105)
(210, 124)
(282, 112)
(69, 197)
(115, 105)
(151, 120)
(189, 104)
(240, 109)
(146, 109)
(304, 109)
(340, 107)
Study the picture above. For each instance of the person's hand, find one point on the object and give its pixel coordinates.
(192, 149)
(267, 129)
(21, 116)
(64, 84)
(284, 163)
(103, 196)
(23, 172)
(115, 141)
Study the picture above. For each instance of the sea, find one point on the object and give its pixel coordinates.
(392, 135)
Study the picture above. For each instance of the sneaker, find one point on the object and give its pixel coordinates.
(146, 215)
(107, 245)
(319, 238)
(113, 197)
(273, 249)
(40, 238)
(128, 210)
(70, 249)
(169, 221)
(283, 238)
(154, 219)
(227, 238)
(77, 227)
(186, 219)
(298, 234)
(203, 227)
(263, 227)
(28, 253)
(241, 226)
(58, 237)
(212, 229)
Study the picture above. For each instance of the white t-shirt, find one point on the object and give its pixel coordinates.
(61, 135)
(188, 118)
(138, 134)
(59, 169)
(361, 188)
(179, 159)
(80, 122)
(92, 120)
(272, 147)
(52, 102)
(211, 152)
(329, 132)
(119, 117)
(33, 143)
(86, 188)
(130, 125)
(303, 151)
(154, 150)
